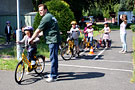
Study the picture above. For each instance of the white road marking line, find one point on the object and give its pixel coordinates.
(99, 53)
(101, 68)
(112, 61)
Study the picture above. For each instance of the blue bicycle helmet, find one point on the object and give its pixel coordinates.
(7, 22)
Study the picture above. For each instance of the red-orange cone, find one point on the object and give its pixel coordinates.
(91, 51)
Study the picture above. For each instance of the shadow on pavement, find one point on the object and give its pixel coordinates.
(35, 78)
(116, 47)
(79, 75)
(63, 76)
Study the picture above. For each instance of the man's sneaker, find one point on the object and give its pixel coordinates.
(33, 62)
(50, 80)
(49, 76)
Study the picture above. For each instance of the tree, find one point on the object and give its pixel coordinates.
(126, 5)
(37, 2)
(77, 6)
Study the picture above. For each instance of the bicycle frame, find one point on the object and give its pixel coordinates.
(70, 43)
(24, 59)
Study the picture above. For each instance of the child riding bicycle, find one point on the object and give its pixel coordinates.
(106, 35)
(74, 31)
(90, 30)
(31, 48)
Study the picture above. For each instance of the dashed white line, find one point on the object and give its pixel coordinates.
(112, 61)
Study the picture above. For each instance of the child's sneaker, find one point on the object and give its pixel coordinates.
(27, 73)
(33, 62)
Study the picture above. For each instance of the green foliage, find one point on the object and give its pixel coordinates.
(134, 11)
(95, 28)
(116, 8)
(37, 20)
(63, 14)
(126, 5)
(106, 13)
(132, 27)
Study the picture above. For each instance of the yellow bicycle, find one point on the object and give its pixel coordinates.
(68, 51)
(20, 68)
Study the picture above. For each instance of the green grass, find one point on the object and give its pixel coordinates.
(9, 51)
(11, 63)
(43, 49)
(8, 64)
(2, 40)
(133, 77)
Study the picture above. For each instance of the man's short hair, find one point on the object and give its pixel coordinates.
(40, 5)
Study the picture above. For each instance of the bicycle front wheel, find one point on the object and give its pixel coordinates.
(19, 72)
(66, 53)
(40, 63)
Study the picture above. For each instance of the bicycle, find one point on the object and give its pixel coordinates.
(85, 44)
(69, 50)
(20, 68)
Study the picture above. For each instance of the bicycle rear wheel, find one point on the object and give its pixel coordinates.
(82, 45)
(19, 72)
(40, 63)
(95, 44)
(66, 53)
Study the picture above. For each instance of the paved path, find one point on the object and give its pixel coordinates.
(110, 71)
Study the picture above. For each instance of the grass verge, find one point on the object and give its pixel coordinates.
(9, 61)
(133, 77)
(8, 64)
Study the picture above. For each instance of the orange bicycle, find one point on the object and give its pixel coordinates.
(20, 68)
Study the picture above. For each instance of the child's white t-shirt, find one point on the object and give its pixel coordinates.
(90, 32)
(106, 29)
(122, 28)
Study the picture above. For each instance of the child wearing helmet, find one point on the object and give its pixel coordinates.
(90, 30)
(106, 35)
(74, 31)
(31, 48)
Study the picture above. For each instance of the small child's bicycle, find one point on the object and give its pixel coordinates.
(68, 51)
(20, 68)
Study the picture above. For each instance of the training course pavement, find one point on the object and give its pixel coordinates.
(110, 70)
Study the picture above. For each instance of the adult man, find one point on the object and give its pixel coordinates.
(51, 33)
(8, 29)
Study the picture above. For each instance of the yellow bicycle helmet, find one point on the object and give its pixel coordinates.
(73, 22)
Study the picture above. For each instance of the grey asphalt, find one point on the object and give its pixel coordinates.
(110, 71)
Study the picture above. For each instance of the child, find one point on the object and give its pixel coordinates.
(74, 31)
(123, 33)
(106, 35)
(31, 48)
(90, 33)
(85, 33)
